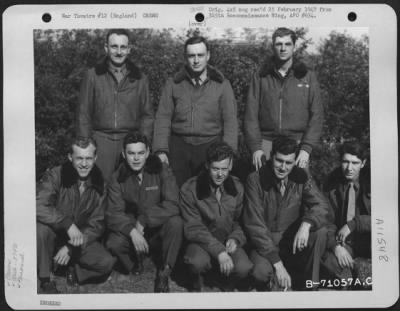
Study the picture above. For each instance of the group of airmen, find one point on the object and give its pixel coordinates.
(139, 183)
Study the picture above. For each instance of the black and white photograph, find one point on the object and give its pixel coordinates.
(193, 161)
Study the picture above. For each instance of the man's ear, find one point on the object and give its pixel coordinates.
(106, 47)
(69, 156)
(230, 164)
(147, 152)
(208, 56)
(363, 163)
(123, 154)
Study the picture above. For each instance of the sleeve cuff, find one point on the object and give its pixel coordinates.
(126, 230)
(66, 223)
(352, 225)
(217, 249)
(273, 257)
(311, 222)
(306, 147)
(143, 220)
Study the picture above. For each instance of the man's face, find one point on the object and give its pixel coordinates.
(197, 57)
(351, 167)
(83, 159)
(117, 49)
(136, 155)
(283, 164)
(283, 48)
(219, 171)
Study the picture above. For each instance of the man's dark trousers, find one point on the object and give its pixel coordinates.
(186, 159)
(166, 239)
(302, 266)
(92, 262)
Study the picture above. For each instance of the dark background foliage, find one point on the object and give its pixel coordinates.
(61, 57)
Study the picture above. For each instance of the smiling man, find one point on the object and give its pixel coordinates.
(114, 99)
(142, 213)
(70, 205)
(349, 191)
(211, 206)
(197, 108)
(284, 217)
(283, 99)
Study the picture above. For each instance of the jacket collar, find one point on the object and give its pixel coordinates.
(212, 72)
(336, 178)
(299, 68)
(267, 177)
(203, 187)
(153, 166)
(69, 177)
(133, 71)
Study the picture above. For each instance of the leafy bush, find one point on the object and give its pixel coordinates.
(61, 57)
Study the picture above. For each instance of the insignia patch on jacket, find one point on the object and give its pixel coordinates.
(151, 188)
(303, 85)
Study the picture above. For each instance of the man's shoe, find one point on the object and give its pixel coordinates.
(138, 267)
(49, 287)
(72, 279)
(161, 284)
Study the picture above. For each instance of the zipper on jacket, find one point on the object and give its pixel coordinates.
(280, 111)
(115, 107)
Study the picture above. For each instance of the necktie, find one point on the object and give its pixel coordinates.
(351, 202)
(197, 82)
(282, 188)
(82, 186)
(139, 179)
(218, 194)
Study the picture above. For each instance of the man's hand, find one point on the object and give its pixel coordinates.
(343, 256)
(282, 275)
(302, 159)
(301, 237)
(343, 234)
(163, 157)
(139, 242)
(257, 162)
(75, 236)
(231, 246)
(225, 263)
(139, 227)
(62, 257)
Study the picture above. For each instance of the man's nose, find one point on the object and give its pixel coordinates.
(84, 162)
(350, 167)
(196, 59)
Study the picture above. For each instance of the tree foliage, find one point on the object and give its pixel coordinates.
(61, 57)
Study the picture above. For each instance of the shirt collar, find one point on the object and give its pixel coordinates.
(221, 188)
(202, 78)
(117, 70)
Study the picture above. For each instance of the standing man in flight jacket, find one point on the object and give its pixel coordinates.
(114, 99)
(283, 99)
(197, 108)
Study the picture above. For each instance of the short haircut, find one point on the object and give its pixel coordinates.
(282, 32)
(135, 137)
(82, 142)
(355, 148)
(219, 151)
(119, 32)
(196, 40)
(284, 145)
